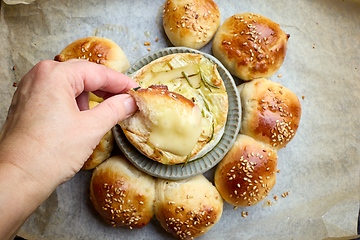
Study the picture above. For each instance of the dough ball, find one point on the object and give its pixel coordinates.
(190, 23)
(187, 208)
(270, 112)
(123, 195)
(250, 46)
(247, 173)
(98, 50)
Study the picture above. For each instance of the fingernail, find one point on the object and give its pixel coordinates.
(130, 106)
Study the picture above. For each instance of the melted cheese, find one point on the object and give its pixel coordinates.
(168, 75)
(175, 133)
(198, 92)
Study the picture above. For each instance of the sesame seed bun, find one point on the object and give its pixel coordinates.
(187, 208)
(247, 173)
(190, 23)
(98, 50)
(103, 150)
(250, 46)
(123, 195)
(270, 112)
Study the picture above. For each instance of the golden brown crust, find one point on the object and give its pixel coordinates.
(247, 173)
(271, 112)
(187, 208)
(250, 46)
(122, 195)
(190, 23)
(162, 93)
(98, 50)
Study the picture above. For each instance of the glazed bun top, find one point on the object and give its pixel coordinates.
(271, 112)
(98, 50)
(250, 46)
(123, 195)
(246, 175)
(187, 208)
(190, 23)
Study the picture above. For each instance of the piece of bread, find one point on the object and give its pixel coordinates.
(166, 127)
(123, 195)
(196, 78)
(187, 208)
(190, 23)
(98, 50)
(270, 112)
(102, 150)
(250, 46)
(247, 173)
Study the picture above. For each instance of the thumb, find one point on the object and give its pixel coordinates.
(112, 111)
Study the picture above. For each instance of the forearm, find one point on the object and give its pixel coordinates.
(21, 193)
(18, 199)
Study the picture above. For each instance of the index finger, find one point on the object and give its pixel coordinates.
(86, 76)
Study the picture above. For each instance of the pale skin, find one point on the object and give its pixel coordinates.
(49, 132)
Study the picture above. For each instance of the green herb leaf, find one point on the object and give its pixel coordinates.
(187, 159)
(135, 89)
(212, 133)
(186, 77)
(205, 80)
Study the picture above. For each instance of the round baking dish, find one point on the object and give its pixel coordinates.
(207, 161)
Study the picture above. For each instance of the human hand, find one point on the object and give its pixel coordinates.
(49, 132)
(45, 113)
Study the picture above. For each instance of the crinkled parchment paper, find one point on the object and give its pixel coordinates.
(319, 168)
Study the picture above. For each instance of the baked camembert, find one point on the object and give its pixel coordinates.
(193, 104)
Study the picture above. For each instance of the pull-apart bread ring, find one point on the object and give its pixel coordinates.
(270, 112)
(250, 46)
(99, 50)
(247, 173)
(190, 23)
(191, 80)
(187, 208)
(123, 195)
